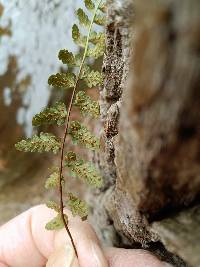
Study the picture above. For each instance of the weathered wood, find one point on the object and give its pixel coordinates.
(151, 124)
(161, 109)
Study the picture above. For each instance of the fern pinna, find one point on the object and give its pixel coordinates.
(92, 46)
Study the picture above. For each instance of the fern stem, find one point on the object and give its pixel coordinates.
(67, 126)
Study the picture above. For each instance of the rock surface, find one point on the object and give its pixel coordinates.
(150, 117)
(181, 234)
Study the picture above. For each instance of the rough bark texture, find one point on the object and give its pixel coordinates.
(151, 124)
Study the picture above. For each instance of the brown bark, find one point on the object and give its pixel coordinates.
(151, 123)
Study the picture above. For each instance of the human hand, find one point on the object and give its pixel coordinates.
(25, 242)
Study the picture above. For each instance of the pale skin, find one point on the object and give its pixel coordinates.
(24, 242)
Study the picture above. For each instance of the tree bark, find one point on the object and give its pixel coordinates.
(150, 106)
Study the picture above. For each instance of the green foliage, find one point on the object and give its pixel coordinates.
(100, 20)
(84, 170)
(70, 157)
(63, 80)
(89, 5)
(92, 78)
(44, 143)
(102, 7)
(80, 134)
(66, 57)
(77, 206)
(83, 18)
(53, 115)
(53, 180)
(78, 38)
(53, 205)
(69, 58)
(98, 50)
(97, 37)
(75, 33)
(56, 223)
(87, 105)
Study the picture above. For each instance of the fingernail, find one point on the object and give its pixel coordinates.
(166, 264)
(61, 239)
(98, 256)
(63, 256)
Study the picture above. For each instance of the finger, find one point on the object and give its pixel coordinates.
(19, 245)
(25, 242)
(132, 258)
(89, 250)
(63, 256)
(90, 253)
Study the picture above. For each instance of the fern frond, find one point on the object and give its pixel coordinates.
(78, 59)
(53, 205)
(83, 170)
(75, 33)
(66, 57)
(98, 49)
(44, 143)
(56, 223)
(78, 38)
(64, 80)
(100, 20)
(103, 7)
(80, 134)
(53, 180)
(91, 77)
(77, 206)
(89, 5)
(87, 105)
(93, 46)
(53, 115)
(83, 18)
(70, 157)
(97, 37)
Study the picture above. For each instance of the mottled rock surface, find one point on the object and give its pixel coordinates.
(181, 234)
(151, 117)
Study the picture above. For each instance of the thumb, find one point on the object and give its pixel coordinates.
(63, 256)
(87, 244)
(132, 258)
